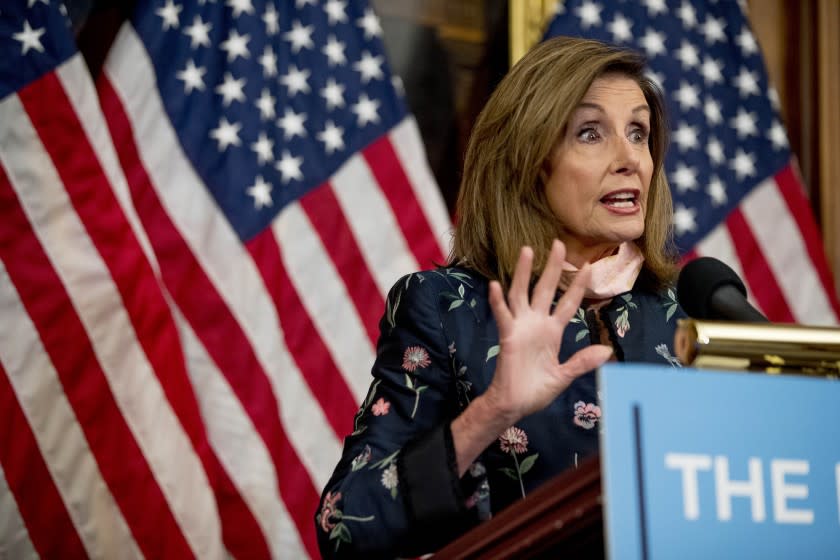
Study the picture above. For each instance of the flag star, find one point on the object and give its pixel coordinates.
(332, 137)
(260, 191)
(687, 14)
(265, 104)
(30, 3)
(169, 14)
(746, 41)
(713, 29)
(192, 77)
(687, 55)
(777, 136)
(685, 137)
(716, 191)
(226, 134)
(29, 38)
(685, 178)
(559, 9)
(684, 219)
(653, 42)
(712, 70)
(366, 110)
(334, 49)
(743, 164)
(334, 94)
(268, 61)
(264, 148)
(744, 124)
(773, 96)
(370, 23)
(335, 11)
(271, 19)
(589, 13)
(199, 33)
(295, 80)
(621, 28)
(687, 96)
(292, 124)
(240, 6)
(289, 167)
(747, 83)
(712, 110)
(714, 149)
(231, 90)
(300, 37)
(369, 67)
(397, 84)
(655, 7)
(303, 3)
(236, 45)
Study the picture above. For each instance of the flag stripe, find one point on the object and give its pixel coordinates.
(303, 341)
(775, 230)
(395, 185)
(408, 144)
(800, 210)
(324, 212)
(720, 245)
(374, 225)
(756, 269)
(240, 447)
(120, 459)
(48, 523)
(13, 533)
(209, 316)
(308, 266)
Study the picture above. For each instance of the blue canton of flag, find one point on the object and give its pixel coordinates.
(736, 193)
(269, 101)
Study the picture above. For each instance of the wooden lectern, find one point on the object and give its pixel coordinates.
(561, 518)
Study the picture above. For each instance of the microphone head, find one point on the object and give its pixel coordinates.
(699, 280)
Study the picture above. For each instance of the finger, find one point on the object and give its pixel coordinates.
(518, 294)
(547, 285)
(500, 309)
(570, 302)
(585, 360)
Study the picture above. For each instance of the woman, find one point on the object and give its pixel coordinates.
(564, 192)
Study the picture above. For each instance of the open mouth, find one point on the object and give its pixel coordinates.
(621, 199)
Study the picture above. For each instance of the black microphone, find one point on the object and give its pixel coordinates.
(709, 289)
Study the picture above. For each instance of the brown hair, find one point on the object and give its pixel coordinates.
(502, 204)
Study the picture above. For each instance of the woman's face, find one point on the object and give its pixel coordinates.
(599, 173)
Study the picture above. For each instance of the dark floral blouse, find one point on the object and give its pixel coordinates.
(395, 491)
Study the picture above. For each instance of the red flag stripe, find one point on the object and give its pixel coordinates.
(213, 323)
(47, 520)
(800, 210)
(61, 132)
(309, 351)
(758, 274)
(326, 216)
(123, 466)
(390, 175)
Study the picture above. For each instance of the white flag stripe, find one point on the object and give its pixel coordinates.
(372, 221)
(719, 244)
(13, 534)
(88, 282)
(220, 253)
(775, 230)
(325, 298)
(239, 447)
(406, 140)
(75, 77)
(96, 516)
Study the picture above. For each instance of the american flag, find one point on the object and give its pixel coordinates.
(737, 193)
(194, 253)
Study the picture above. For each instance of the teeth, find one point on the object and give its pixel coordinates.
(620, 203)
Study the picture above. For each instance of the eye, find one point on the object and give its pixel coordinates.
(589, 135)
(639, 134)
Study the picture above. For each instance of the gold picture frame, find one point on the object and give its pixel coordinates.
(528, 19)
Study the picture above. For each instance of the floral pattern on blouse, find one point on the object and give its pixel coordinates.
(586, 415)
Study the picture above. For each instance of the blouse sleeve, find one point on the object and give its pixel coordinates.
(395, 490)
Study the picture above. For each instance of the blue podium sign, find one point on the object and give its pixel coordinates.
(706, 464)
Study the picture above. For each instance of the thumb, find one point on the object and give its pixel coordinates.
(585, 360)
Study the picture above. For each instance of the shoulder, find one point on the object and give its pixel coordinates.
(453, 286)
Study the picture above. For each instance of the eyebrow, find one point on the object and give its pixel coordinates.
(588, 105)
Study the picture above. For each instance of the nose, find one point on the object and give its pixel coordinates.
(626, 157)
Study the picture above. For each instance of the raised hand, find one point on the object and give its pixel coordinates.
(528, 373)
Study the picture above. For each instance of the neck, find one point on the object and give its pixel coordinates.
(578, 254)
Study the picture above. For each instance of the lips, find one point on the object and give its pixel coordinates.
(621, 199)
